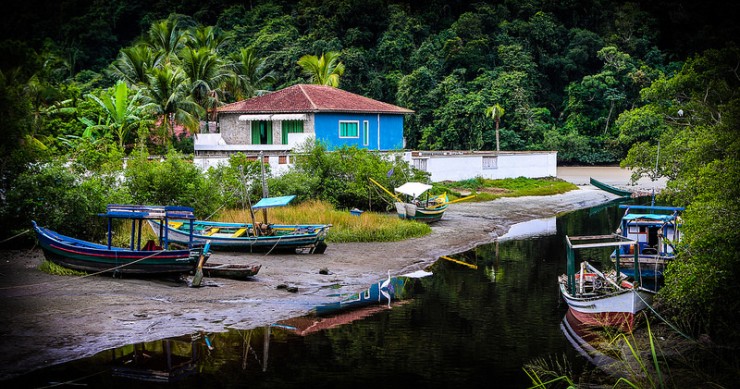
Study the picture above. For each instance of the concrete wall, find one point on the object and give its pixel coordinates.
(239, 132)
(456, 166)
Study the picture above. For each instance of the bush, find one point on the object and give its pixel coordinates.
(57, 198)
(174, 180)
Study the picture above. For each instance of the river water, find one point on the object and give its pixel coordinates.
(474, 324)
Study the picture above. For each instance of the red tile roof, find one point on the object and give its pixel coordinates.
(304, 98)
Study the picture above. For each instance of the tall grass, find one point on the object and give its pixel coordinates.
(368, 227)
(640, 363)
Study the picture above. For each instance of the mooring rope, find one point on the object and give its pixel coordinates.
(15, 236)
(664, 319)
(81, 277)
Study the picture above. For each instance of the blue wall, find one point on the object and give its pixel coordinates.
(391, 130)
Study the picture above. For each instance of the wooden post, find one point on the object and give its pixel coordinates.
(571, 269)
(265, 192)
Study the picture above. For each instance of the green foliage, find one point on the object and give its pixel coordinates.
(341, 177)
(238, 183)
(699, 152)
(56, 197)
(174, 180)
(323, 70)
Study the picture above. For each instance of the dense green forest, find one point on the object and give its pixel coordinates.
(83, 83)
(562, 72)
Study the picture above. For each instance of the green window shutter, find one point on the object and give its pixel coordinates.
(255, 133)
(291, 127)
(268, 130)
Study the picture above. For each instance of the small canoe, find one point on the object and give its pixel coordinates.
(610, 189)
(232, 271)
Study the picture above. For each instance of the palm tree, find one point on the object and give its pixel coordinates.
(133, 63)
(248, 76)
(324, 70)
(122, 112)
(207, 36)
(166, 38)
(205, 73)
(495, 112)
(167, 98)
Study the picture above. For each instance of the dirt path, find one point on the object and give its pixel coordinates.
(51, 319)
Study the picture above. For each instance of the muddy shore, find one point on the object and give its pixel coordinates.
(48, 319)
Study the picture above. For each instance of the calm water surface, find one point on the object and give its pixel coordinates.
(464, 327)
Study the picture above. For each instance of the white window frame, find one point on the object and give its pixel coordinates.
(365, 133)
(489, 163)
(357, 122)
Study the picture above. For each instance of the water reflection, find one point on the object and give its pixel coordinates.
(166, 360)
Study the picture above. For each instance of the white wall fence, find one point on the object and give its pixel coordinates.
(463, 165)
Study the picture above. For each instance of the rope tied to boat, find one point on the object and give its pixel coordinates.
(15, 236)
(81, 277)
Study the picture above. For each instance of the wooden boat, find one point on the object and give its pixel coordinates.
(428, 209)
(610, 189)
(232, 271)
(244, 237)
(150, 259)
(656, 229)
(600, 299)
(411, 205)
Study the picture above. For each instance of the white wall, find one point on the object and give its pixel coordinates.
(456, 166)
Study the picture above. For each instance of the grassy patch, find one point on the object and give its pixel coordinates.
(54, 269)
(486, 189)
(368, 227)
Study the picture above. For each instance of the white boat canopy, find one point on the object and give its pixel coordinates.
(413, 189)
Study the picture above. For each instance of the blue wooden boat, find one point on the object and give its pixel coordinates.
(656, 229)
(609, 188)
(152, 258)
(243, 236)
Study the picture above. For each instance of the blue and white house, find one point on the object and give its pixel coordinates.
(280, 122)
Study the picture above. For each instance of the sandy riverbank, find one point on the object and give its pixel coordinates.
(51, 319)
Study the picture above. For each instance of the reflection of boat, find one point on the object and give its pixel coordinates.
(602, 299)
(229, 270)
(656, 230)
(166, 360)
(305, 325)
(152, 258)
(583, 339)
(383, 291)
(242, 236)
(610, 189)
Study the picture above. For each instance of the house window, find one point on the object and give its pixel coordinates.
(349, 129)
(291, 127)
(266, 159)
(365, 133)
(261, 132)
(283, 159)
(420, 163)
(490, 163)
